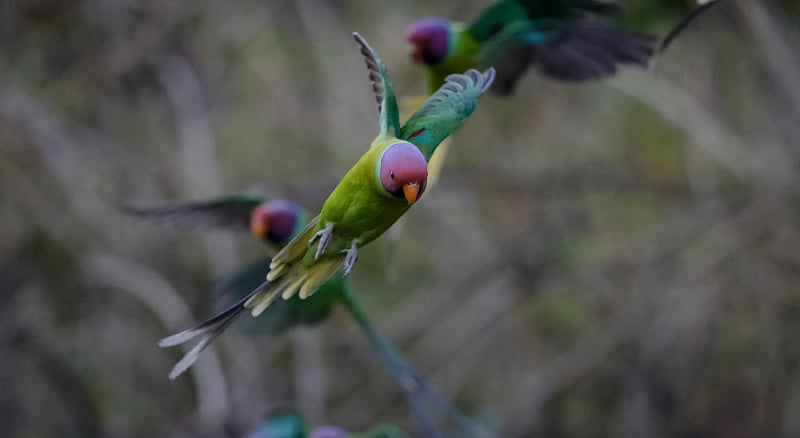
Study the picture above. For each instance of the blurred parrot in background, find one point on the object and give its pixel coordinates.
(565, 39)
(512, 34)
(374, 193)
(275, 222)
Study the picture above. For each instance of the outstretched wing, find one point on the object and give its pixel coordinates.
(445, 110)
(574, 50)
(232, 212)
(382, 86)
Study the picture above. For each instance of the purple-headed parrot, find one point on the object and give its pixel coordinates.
(565, 39)
(373, 194)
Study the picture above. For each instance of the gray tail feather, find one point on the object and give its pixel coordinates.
(211, 328)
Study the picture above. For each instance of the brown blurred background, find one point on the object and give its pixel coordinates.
(613, 259)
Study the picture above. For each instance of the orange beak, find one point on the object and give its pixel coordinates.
(410, 191)
(258, 227)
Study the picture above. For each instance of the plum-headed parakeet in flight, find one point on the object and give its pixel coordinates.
(372, 195)
(565, 39)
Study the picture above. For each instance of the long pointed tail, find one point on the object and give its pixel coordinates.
(210, 329)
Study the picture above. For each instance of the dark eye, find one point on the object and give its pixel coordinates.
(391, 174)
(496, 28)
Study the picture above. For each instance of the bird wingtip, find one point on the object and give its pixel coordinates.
(178, 338)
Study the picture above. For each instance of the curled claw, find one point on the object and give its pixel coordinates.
(323, 236)
(350, 258)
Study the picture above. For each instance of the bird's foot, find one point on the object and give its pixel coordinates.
(323, 236)
(350, 258)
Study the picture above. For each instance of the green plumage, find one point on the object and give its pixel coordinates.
(359, 209)
(464, 53)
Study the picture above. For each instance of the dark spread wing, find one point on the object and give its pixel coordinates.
(575, 50)
(232, 213)
(583, 50)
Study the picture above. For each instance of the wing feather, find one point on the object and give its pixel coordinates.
(231, 213)
(445, 110)
(382, 87)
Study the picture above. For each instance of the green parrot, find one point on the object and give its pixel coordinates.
(275, 222)
(372, 195)
(565, 39)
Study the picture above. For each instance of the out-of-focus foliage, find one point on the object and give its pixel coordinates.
(287, 423)
(610, 259)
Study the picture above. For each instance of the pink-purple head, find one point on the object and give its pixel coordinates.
(275, 221)
(403, 171)
(429, 39)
